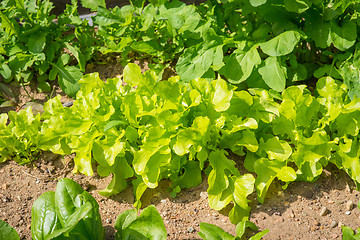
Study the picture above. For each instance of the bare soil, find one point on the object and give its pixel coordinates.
(294, 213)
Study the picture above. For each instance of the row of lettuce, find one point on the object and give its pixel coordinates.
(72, 213)
(269, 44)
(168, 130)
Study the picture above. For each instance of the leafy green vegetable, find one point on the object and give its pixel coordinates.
(212, 232)
(7, 232)
(149, 225)
(67, 213)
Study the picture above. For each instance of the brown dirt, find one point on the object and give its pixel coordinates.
(293, 213)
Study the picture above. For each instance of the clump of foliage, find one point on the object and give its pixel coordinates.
(35, 46)
(267, 44)
(168, 130)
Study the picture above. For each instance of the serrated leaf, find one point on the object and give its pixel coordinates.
(218, 180)
(266, 171)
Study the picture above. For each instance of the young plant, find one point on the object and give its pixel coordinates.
(68, 213)
(212, 232)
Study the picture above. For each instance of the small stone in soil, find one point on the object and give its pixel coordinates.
(324, 211)
(347, 212)
(108, 221)
(203, 195)
(316, 223)
(333, 224)
(349, 205)
(191, 229)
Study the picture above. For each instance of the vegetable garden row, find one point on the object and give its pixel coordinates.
(274, 81)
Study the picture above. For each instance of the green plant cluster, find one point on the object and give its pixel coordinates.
(256, 43)
(33, 45)
(72, 213)
(168, 130)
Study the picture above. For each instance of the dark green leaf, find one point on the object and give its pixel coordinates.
(7, 232)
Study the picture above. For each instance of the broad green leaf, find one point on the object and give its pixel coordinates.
(319, 30)
(240, 65)
(240, 103)
(149, 225)
(37, 42)
(93, 4)
(108, 148)
(195, 61)
(124, 220)
(256, 3)
(7, 232)
(66, 192)
(345, 124)
(344, 36)
(68, 78)
(297, 6)
(348, 233)
(282, 44)
(90, 215)
(44, 219)
(211, 232)
(72, 226)
(274, 74)
(149, 47)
